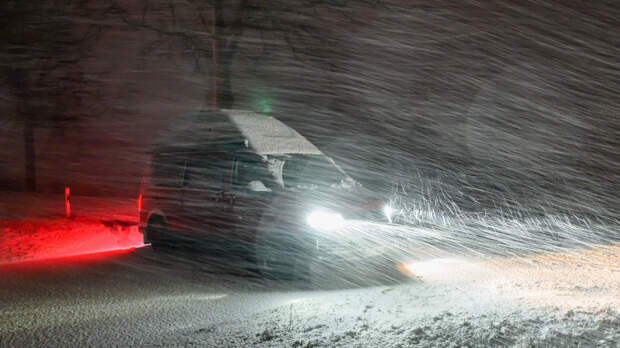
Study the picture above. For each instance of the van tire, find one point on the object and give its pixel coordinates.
(158, 236)
(279, 259)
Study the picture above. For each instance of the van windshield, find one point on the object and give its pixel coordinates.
(306, 171)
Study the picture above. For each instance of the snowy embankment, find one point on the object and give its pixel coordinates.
(33, 226)
(545, 300)
(520, 287)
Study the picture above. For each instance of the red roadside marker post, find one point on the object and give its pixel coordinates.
(68, 201)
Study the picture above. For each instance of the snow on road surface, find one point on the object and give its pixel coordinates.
(561, 300)
(541, 298)
(545, 300)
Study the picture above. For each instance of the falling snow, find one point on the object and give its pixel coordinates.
(491, 130)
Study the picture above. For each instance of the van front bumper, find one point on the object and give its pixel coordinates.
(360, 240)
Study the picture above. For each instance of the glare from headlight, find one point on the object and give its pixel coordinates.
(389, 212)
(437, 268)
(322, 220)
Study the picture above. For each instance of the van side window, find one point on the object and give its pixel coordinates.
(249, 168)
(210, 171)
(168, 170)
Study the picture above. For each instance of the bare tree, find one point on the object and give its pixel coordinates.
(211, 31)
(40, 52)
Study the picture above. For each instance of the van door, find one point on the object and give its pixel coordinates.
(204, 207)
(251, 193)
(165, 188)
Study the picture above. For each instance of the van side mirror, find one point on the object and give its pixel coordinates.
(257, 186)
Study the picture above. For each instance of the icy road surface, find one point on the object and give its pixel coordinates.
(138, 299)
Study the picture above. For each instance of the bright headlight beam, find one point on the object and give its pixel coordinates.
(323, 220)
(436, 267)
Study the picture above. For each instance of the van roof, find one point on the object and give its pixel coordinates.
(264, 134)
(267, 135)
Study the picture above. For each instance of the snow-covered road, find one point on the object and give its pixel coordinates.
(141, 299)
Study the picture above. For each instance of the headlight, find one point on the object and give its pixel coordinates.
(389, 212)
(322, 220)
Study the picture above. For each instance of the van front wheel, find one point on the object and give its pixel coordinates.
(277, 259)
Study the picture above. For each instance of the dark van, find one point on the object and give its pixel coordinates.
(240, 181)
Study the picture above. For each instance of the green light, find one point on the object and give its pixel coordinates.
(265, 106)
(262, 101)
